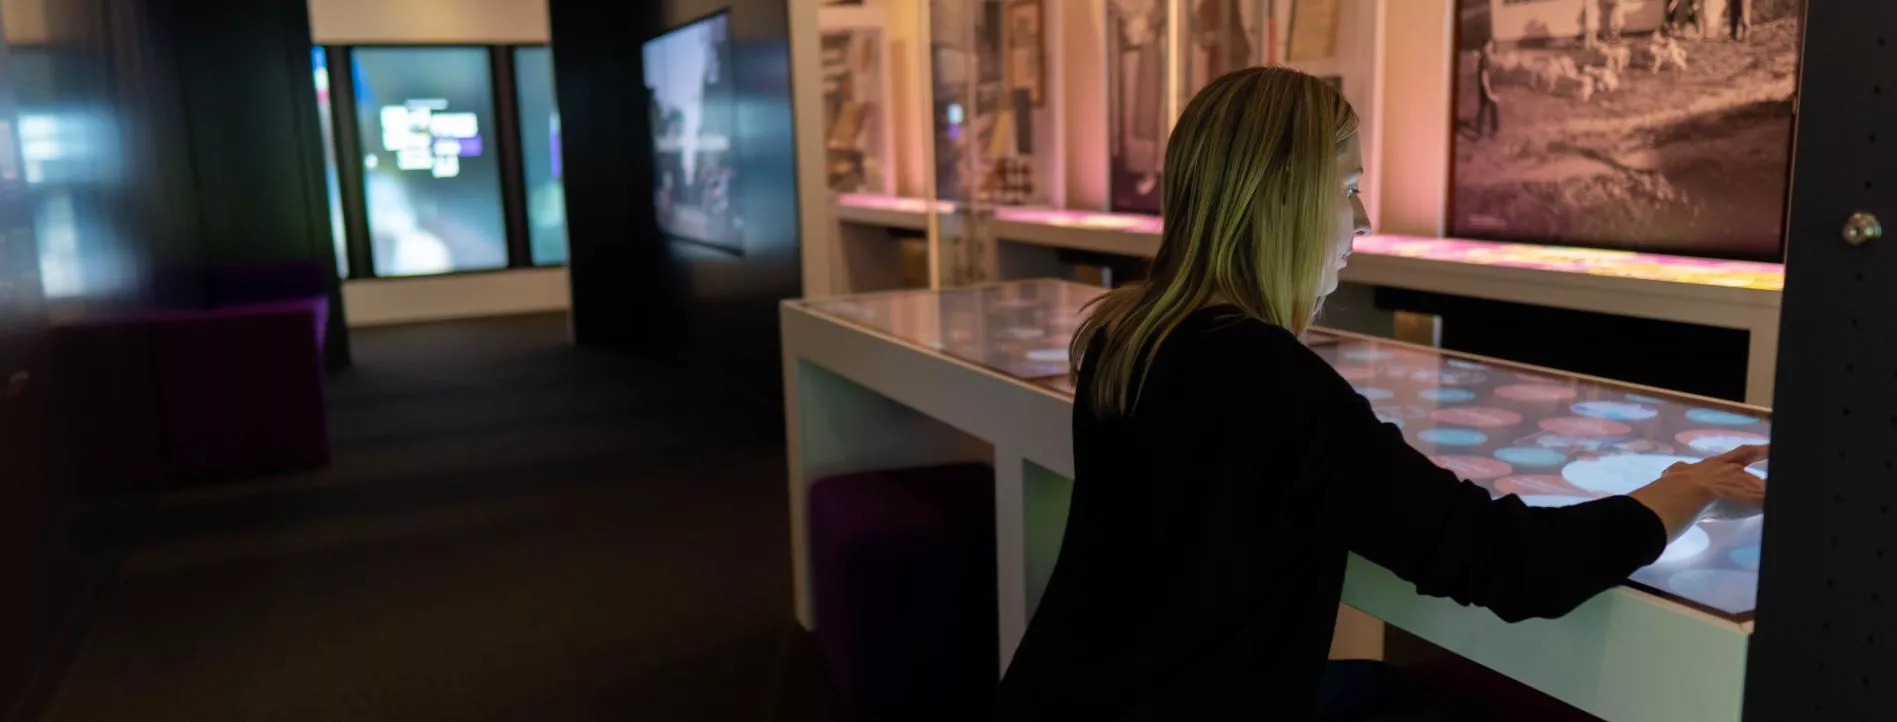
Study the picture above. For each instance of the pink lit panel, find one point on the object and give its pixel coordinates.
(892, 203)
(1594, 262)
(1125, 222)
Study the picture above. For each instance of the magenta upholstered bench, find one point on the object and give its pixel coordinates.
(904, 566)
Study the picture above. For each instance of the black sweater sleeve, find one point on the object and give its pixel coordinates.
(1450, 538)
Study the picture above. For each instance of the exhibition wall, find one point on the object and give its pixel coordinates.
(699, 121)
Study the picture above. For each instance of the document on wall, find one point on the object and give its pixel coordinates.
(1314, 27)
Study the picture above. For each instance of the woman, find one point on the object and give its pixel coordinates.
(1224, 471)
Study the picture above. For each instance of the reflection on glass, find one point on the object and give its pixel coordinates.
(694, 114)
(540, 154)
(431, 183)
(319, 60)
(1137, 119)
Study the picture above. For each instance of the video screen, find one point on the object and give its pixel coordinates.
(431, 182)
(688, 74)
(319, 62)
(1556, 441)
(540, 154)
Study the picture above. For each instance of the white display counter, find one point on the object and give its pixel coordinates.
(916, 378)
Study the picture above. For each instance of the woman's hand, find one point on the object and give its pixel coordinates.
(1681, 494)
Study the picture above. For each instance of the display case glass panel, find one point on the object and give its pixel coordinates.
(856, 108)
(540, 155)
(319, 63)
(431, 183)
(1550, 438)
(1138, 119)
(1222, 36)
(994, 134)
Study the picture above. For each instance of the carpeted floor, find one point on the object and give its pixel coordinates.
(512, 529)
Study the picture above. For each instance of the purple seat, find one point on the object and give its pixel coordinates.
(904, 565)
(240, 391)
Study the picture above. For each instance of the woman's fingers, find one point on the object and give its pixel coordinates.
(1744, 455)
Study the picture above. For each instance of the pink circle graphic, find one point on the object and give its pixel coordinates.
(1481, 417)
(1537, 485)
(1535, 392)
(1585, 426)
(1474, 468)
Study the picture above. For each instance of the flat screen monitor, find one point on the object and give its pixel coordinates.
(431, 178)
(689, 80)
(540, 154)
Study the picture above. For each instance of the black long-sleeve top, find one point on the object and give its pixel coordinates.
(1207, 538)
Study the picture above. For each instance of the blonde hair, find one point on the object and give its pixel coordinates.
(1250, 207)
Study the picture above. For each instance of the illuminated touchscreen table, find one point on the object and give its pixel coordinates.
(1550, 438)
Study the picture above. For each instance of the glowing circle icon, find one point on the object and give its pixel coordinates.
(1585, 426)
(1447, 396)
(1465, 365)
(1369, 354)
(1729, 589)
(1474, 468)
(1715, 441)
(1549, 501)
(1689, 545)
(1477, 416)
(1535, 485)
(1715, 417)
(1535, 392)
(1615, 410)
(1375, 394)
(1619, 474)
(1453, 437)
(1356, 373)
(1746, 556)
(1531, 456)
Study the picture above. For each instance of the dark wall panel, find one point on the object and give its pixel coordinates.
(633, 287)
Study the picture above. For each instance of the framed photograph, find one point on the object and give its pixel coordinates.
(1027, 56)
(1313, 30)
(1653, 125)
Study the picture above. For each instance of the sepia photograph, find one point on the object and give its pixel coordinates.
(1654, 125)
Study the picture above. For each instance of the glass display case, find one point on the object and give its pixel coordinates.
(856, 101)
(993, 127)
(1550, 438)
(1139, 115)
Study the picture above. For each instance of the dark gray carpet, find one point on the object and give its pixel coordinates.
(512, 529)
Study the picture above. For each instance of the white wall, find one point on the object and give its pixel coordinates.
(1413, 116)
(485, 22)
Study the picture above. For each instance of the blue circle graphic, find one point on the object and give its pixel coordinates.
(1531, 456)
(1375, 394)
(1447, 396)
(1453, 437)
(1720, 418)
(1746, 556)
(1615, 410)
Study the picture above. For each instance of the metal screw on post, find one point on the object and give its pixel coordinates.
(1861, 228)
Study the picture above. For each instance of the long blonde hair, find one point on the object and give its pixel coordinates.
(1250, 207)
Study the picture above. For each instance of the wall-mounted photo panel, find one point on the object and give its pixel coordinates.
(1654, 125)
(690, 79)
(1137, 120)
(430, 176)
(540, 155)
(994, 133)
(1223, 36)
(856, 105)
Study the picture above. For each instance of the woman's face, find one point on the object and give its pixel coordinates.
(1352, 220)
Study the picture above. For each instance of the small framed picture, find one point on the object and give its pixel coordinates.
(1027, 69)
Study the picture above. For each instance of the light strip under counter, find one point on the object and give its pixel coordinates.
(889, 211)
(1630, 655)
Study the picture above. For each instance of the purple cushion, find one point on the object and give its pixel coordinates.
(240, 391)
(904, 566)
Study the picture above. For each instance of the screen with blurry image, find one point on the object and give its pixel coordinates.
(689, 76)
(540, 154)
(430, 172)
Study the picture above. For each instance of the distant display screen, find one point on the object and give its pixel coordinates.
(688, 74)
(319, 62)
(540, 154)
(430, 174)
